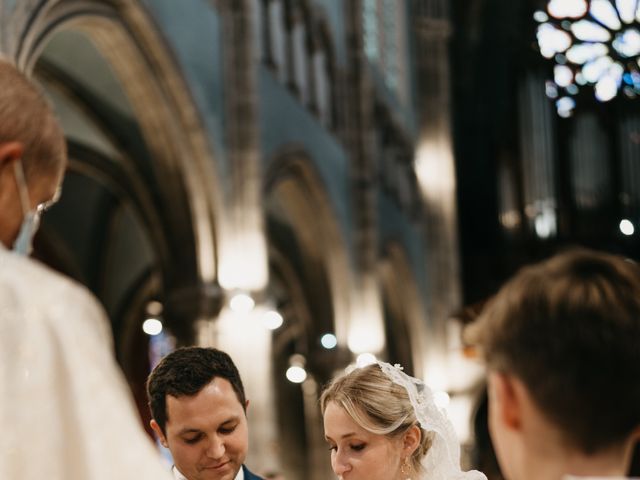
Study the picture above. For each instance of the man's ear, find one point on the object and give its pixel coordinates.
(505, 398)
(411, 440)
(156, 428)
(10, 152)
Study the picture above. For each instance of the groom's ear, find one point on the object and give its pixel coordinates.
(156, 428)
(505, 399)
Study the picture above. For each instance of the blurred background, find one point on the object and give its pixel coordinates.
(312, 183)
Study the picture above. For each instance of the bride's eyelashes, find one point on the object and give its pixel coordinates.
(356, 447)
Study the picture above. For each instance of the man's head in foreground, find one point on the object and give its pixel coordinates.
(32, 157)
(562, 345)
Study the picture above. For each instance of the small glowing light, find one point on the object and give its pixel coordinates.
(585, 52)
(616, 71)
(606, 88)
(605, 13)
(626, 10)
(551, 89)
(567, 8)
(365, 359)
(565, 106)
(296, 374)
(152, 326)
(562, 75)
(552, 40)
(441, 399)
(540, 16)
(154, 308)
(242, 303)
(626, 227)
(272, 320)
(545, 222)
(329, 341)
(594, 71)
(510, 219)
(590, 31)
(627, 43)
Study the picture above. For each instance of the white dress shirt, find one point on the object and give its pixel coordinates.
(179, 476)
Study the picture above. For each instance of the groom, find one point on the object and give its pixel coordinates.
(562, 346)
(198, 406)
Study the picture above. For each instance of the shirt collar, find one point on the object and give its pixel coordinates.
(179, 476)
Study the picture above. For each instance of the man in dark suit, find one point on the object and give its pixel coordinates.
(198, 406)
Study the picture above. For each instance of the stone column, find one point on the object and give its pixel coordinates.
(435, 168)
(243, 260)
(366, 331)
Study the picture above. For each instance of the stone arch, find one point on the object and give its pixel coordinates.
(125, 36)
(292, 182)
(405, 320)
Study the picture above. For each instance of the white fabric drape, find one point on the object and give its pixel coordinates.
(65, 410)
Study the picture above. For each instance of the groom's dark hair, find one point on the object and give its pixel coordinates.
(569, 329)
(185, 372)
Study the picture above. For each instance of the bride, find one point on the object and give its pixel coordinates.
(382, 424)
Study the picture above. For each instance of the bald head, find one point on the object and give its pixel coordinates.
(27, 118)
(32, 153)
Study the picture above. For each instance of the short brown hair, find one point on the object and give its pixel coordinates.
(184, 373)
(26, 117)
(569, 328)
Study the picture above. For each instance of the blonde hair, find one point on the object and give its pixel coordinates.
(27, 118)
(376, 404)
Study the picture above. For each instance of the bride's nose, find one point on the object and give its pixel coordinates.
(340, 463)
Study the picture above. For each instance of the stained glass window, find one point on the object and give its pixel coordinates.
(593, 43)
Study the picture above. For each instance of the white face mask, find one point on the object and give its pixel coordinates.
(23, 244)
(31, 218)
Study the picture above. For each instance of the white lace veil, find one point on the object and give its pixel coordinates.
(442, 461)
